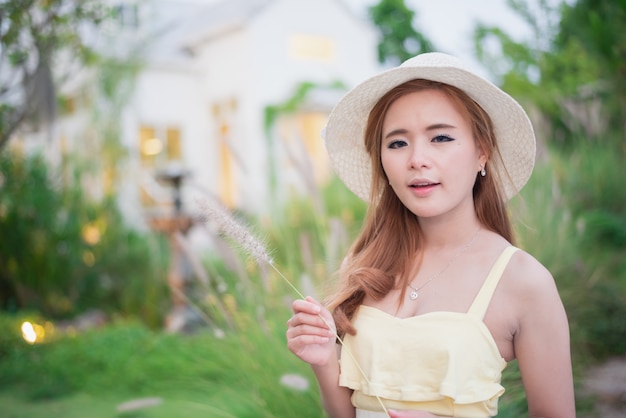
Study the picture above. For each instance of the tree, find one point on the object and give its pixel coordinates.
(599, 28)
(35, 35)
(399, 40)
(572, 70)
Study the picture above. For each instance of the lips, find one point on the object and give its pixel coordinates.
(423, 188)
(423, 184)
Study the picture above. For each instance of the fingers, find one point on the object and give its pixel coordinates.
(296, 329)
(307, 320)
(308, 305)
(295, 342)
(313, 307)
(311, 332)
(306, 325)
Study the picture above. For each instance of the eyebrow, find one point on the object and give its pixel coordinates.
(440, 126)
(395, 132)
(433, 127)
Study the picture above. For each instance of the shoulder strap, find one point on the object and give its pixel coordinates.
(483, 298)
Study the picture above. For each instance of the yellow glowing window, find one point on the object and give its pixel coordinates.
(311, 125)
(227, 181)
(311, 47)
(224, 114)
(149, 145)
(173, 144)
(153, 141)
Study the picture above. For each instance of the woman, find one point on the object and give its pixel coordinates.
(433, 299)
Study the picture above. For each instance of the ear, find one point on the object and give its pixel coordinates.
(482, 159)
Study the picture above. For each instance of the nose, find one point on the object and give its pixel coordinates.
(419, 157)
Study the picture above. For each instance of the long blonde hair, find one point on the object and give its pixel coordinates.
(388, 250)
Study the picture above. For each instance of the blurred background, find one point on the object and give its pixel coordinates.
(135, 133)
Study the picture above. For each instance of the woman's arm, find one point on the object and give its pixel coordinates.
(542, 344)
(335, 398)
(311, 337)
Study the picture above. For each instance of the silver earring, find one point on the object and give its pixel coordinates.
(483, 172)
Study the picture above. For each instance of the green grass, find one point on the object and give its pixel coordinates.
(196, 376)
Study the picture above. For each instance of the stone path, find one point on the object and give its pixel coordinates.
(607, 383)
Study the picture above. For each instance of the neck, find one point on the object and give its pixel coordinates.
(449, 233)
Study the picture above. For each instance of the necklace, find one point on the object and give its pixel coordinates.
(415, 290)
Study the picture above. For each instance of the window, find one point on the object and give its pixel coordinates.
(224, 115)
(172, 136)
(158, 146)
(149, 146)
(311, 47)
(311, 125)
(227, 178)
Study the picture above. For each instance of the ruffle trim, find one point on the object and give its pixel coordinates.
(472, 392)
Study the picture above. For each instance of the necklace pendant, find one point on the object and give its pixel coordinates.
(413, 295)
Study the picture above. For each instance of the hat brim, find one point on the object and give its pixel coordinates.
(345, 130)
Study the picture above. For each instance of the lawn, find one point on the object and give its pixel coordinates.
(99, 372)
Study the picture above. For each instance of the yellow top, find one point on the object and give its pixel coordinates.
(446, 363)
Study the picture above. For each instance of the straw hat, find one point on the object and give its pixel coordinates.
(344, 133)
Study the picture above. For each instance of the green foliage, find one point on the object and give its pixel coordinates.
(597, 200)
(600, 317)
(513, 402)
(605, 228)
(11, 339)
(399, 40)
(61, 253)
(599, 27)
(571, 69)
(33, 35)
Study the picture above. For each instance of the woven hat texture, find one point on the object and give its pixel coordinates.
(344, 132)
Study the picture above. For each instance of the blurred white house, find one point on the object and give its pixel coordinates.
(216, 96)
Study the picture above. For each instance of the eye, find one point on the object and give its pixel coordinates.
(396, 143)
(442, 138)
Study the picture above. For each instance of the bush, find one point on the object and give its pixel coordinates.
(62, 253)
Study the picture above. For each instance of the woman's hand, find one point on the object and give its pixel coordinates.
(310, 337)
(410, 414)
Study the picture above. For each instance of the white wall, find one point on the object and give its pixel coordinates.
(250, 63)
(254, 64)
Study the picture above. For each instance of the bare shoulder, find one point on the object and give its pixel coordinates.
(528, 277)
(533, 296)
(529, 291)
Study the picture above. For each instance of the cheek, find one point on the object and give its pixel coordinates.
(386, 164)
(468, 157)
(392, 171)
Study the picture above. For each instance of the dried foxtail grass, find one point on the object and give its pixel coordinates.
(237, 232)
(202, 275)
(241, 235)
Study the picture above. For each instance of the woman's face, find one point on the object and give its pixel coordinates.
(429, 154)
